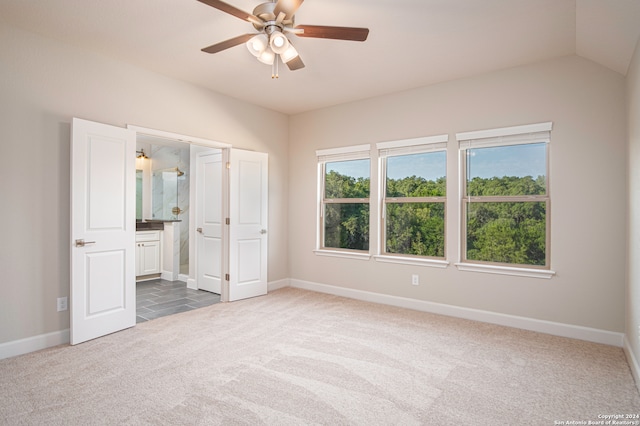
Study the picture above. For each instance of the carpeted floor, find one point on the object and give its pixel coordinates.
(296, 357)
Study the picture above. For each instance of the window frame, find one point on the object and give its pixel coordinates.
(324, 156)
(438, 143)
(509, 136)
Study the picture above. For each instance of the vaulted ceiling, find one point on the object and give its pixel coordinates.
(411, 43)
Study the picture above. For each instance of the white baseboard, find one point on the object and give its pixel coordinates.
(633, 362)
(275, 285)
(192, 284)
(32, 344)
(531, 324)
(169, 276)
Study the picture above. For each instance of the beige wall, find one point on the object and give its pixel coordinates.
(586, 104)
(633, 291)
(43, 84)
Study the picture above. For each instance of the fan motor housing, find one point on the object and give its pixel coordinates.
(264, 11)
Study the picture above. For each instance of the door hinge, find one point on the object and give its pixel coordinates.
(228, 165)
(226, 277)
(227, 221)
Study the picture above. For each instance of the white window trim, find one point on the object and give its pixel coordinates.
(429, 143)
(525, 134)
(357, 255)
(347, 153)
(416, 261)
(505, 270)
(505, 131)
(396, 148)
(356, 152)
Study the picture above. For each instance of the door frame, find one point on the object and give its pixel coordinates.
(208, 143)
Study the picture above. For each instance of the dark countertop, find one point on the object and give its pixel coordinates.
(154, 224)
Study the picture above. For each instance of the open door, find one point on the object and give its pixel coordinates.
(103, 203)
(248, 205)
(209, 221)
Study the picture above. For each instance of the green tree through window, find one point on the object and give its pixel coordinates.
(346, 205)
(506, 216)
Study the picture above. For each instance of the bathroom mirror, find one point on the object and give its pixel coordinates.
(138, 195)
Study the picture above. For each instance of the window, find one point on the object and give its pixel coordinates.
(413, 193)
(505, 196)
(345, 188)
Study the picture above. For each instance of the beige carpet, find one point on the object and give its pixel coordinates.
(296, 357)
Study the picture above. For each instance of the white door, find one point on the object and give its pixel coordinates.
(248, 204)
(209, 221)
(103, 204)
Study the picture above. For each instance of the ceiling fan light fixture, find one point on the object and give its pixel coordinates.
(267, 57)
(289, 54)
(278, 42)
(257, 44)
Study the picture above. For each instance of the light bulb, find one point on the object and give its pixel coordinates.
(257, 44)
(267, 57)
(278, 42)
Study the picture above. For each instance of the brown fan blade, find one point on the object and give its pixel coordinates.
(215, 48)
(336, 33)
(289, 7)
(295, 64)
(231, 10)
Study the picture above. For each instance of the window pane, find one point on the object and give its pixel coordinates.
(417, 175)
(347, 179)
(346, 226)
(415, 228)
(507, 170)
(507, 232)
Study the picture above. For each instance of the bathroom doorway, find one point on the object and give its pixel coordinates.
(164, 179)
(166, 202)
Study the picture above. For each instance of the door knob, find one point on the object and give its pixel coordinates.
(82, 243)
(199, 230)
(263, 231)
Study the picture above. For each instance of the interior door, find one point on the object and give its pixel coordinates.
(103, 203)
(248, 211)
(209, 221)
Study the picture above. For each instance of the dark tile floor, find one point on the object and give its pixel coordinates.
(158, 298)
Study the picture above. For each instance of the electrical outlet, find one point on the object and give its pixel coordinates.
(415, 279)
(62, 304)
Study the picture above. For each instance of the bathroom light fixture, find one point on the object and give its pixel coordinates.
(141, 154)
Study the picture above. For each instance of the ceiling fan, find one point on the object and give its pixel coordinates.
(273, 20)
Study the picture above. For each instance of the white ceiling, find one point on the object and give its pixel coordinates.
(411, 43)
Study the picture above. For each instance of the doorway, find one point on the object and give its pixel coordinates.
(104, 228)
(167, 180)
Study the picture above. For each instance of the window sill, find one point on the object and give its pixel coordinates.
(506, 270)
(343, 254)
(434, 263)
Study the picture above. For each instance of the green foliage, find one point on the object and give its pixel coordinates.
(505, 232)
(347, 226)
(416, 187)
(415, 228)
(507, 185)
(340, 186)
